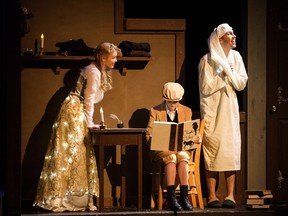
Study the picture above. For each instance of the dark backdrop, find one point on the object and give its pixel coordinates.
(201, 18)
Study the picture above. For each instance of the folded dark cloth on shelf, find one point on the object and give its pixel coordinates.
(139, 53)
(127, 46)
(74, 48)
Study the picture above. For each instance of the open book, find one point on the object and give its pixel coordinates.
(174, 136)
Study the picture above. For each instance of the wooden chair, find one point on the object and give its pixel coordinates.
(195, 192)
(194, 178)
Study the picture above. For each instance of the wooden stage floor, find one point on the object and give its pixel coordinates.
(238, 211)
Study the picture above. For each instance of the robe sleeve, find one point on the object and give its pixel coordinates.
(210, 80)
(238, 77)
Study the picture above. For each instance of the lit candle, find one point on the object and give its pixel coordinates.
(102, 114)
(42, 41)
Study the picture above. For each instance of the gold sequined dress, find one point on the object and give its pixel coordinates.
(69, 178)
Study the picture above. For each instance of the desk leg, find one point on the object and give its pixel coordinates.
(123, 176)
(139, 138)
(101, 177)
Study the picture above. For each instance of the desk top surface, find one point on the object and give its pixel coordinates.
(118, 130)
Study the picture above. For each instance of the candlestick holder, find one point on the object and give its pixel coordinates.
(102, 126)
(41, 51)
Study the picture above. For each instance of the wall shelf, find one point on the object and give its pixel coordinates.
(56, 62)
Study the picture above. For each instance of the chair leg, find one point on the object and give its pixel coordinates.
(193, 200)
(199, 190)
(155, 183)
(196, 191)
(153, 194)
(160, 189)
(193, 189)
(156, 187)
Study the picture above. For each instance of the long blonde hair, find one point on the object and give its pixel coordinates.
(102, 50)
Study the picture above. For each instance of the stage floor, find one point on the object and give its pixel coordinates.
(238, 211)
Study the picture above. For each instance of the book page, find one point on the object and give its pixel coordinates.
(190, 131)
(170, 136)
(163, 136)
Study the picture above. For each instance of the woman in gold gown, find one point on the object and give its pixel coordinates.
(69, 178)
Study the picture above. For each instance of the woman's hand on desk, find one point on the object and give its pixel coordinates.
(94, 126)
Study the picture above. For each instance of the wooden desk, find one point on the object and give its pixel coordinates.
(123, 137)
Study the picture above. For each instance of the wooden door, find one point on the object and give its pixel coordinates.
(277, 99)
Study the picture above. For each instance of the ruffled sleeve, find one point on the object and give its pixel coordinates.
(92, 93)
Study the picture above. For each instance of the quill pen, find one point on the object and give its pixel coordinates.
(113, 116)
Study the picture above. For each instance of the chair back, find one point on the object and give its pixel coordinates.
(196, 152)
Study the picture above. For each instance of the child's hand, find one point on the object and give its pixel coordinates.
(198, 139)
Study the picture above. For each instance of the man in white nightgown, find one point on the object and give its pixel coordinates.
(221, 73)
